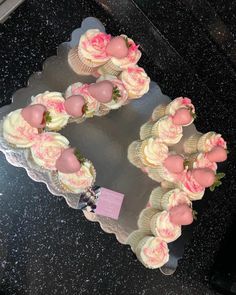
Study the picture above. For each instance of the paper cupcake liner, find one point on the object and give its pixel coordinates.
(153, 223)
(190, 145)
(159, 112)
(102, 111)
(135, 237)
(165, 201)
(164, 174)
(156, 198)
(134, 154)
(154, 175)
(77, 63)
(146, 130)
(168, 185)
(76, 120)
(145, 218)
(202, 141)
(110, 68)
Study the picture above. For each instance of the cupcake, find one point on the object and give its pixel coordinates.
(136, 236)
(90, 52)
(181, 107)
(204, 143)
(162, 227)
(54, 102)
(47, 149)
(119, 95)
(149, 152)
(91, 106)
(200, 160)
(167, 131)
(171, 168)
(75, 173)
(152, 252)
(135, 81)
(154, 174)
(162, 200)
(124, 53)
(17, 131)
(191, 186)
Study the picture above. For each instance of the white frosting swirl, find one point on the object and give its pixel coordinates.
(92, 105)
(174, 198)
(17, 131)
(212, 140)
(131, 59)
(155, 151)
(201, 161)
(48, 148)
(164, 228)
(180, 102)
(54, 102)
(92, 46)
(167, 131)
(78, 182)
(154, 252)
(136, 81)
(122, 90)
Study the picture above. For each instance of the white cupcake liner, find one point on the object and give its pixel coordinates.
(135, 237)
(190, 145)
(110, 68)
(158, 112)
(146, 130)
(145, 218)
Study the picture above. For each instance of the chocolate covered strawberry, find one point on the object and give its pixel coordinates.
(174, 163)
(69, 161)
(74, 106)
(118, 47)
(181, 215)
(36, 115)
(104, 91)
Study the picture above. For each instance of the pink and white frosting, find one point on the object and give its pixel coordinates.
(174, 198)
(122, 100)
(154, 253)
(180, 102)
(79, 181)
(155, 151)
(202, 161)
(162, 227)
(54, 102)
(92, 46)
(167, 175)
(213, 139)
(136, 81)
(131, 59)
(188, 184)
(17, 131)
(167, 131)
(92, 105)
(47, 149)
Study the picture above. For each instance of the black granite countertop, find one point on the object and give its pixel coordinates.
(189, 48)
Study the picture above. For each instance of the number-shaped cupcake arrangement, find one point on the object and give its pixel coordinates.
(183, 178)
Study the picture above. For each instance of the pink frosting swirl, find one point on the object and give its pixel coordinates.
(189, 183)
(93, 45)
(176, 197)
(180, 102)
(202, 161)
(213, 141)
(154, 253)
(136, 81)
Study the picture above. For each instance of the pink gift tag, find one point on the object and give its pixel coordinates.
(109, 203)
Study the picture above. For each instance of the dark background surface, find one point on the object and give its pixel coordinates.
(189, 48)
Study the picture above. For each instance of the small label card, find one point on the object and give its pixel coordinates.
(109, 203)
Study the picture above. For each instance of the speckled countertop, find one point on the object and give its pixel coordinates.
(189, 49)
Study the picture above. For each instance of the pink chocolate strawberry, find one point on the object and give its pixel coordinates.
(36, 115)
(182, 117)
(118, 47)
(174, 163)
(217, 154)
(74, 105)
(181, 214)
(204, 176)
(69, 161)
(102, 91)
